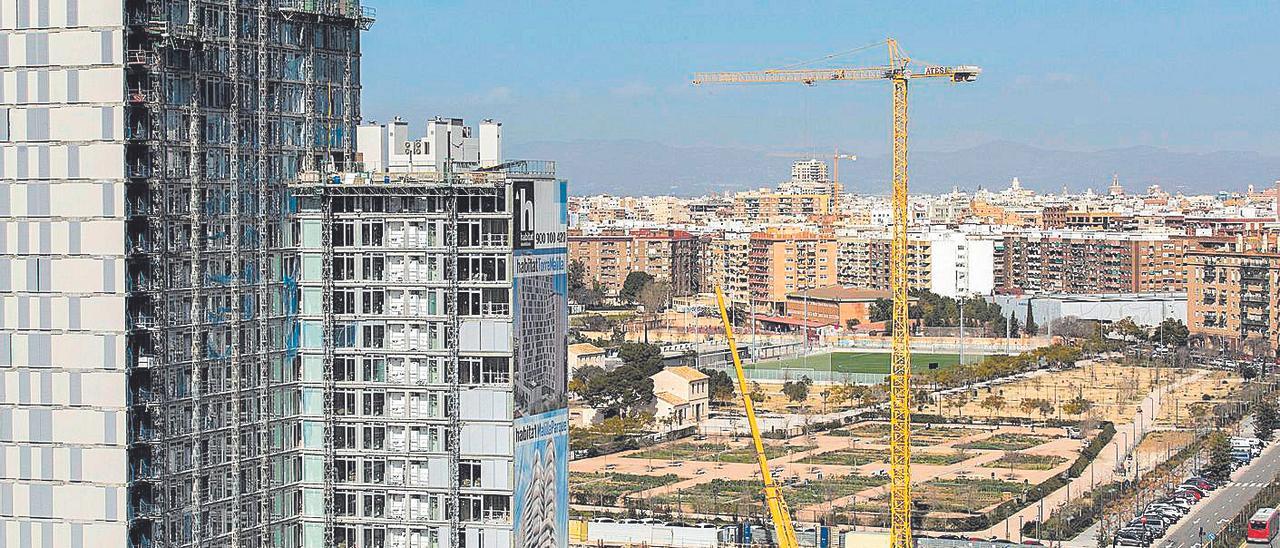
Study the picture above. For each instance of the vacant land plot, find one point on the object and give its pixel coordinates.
(861, 362)
(1111, 391)
(715, 452)
(1007, 442)
(1025, 461)
(1190, 402)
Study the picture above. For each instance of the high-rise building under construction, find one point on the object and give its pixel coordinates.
(175, 372)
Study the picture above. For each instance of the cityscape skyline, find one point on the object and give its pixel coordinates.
(1077, 77)
(543, 293)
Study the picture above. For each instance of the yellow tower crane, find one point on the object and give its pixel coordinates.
(899, 71)
(785, 533)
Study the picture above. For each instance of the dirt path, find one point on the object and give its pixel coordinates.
(1102, 469)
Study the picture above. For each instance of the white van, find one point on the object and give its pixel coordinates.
(1252, 445)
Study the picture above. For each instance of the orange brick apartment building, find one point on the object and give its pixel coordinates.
(607, 258)
(1233, 292)
(781, 262)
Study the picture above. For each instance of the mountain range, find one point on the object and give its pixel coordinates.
(637, 168)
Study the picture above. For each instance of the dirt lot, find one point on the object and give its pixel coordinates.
(1113, 390)
(1217, 385)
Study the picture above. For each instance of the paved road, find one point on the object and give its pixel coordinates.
(1225, 502)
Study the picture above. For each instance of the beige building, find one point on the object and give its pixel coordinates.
(1232, 295)
(726, 266)
(585, 354)
(682, 396)
(768, 204)
(837, 305)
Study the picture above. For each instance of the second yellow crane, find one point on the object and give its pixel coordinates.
(899, 72)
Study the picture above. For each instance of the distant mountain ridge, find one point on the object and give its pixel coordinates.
(635, 168)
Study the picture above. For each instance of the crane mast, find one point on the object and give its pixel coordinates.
(786, 534)
(898, 72)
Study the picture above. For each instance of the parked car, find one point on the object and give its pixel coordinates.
(1200, 483)
(1193, 489)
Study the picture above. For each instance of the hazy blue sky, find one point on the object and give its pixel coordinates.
(1071, 75)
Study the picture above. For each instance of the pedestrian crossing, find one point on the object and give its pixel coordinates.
(1246, 484)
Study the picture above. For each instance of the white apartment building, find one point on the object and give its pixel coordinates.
(433, 332)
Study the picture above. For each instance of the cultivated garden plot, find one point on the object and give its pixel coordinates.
(859, 457)
(1025, 461)
(721, 496)
(716, 452)
(953, 495)
(605, 488)
(1006, 442)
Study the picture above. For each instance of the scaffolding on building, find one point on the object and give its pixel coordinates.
(217, 95)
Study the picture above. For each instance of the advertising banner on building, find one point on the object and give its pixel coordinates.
(541, 509)
(541, 313)
(541, 368)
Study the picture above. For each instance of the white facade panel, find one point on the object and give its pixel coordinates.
(82, 47)
(81, 123)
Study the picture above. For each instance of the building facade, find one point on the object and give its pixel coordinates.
(146, 146)
(1091, 262)
(1232, 296)
(668, 254)
(781, 262)
(433, 331)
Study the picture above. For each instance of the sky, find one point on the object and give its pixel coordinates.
(1081, 76)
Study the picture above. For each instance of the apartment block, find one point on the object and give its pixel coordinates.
(1232, 296)
(919, 263)
(1092, 262)
(432, 331)
(781, 262)
(768, 204)
(667, 254)
(145, 147)
(726, 265)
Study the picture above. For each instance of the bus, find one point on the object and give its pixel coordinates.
(1263, 526)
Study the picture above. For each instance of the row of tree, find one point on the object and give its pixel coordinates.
(638, 288)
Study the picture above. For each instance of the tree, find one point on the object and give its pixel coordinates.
(1078, 405)
(719, 385)
(1027, 405)
(1031, 329)
(582, 377)
(621, 392)
(647, 356)
(1174, 333)
(992, 403)
(586, 295)
(881, 310)
(797, 391)
(1129, 330)
(1266, 419)
(1073, 327)
(654, 296)
(1013, 325)
(636, 280)
(1219, 466)
(757, 393)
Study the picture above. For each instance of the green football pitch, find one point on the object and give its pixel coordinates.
(860, 362)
